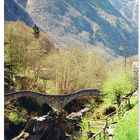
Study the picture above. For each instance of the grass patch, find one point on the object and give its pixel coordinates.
(127, 128)
(88, 124)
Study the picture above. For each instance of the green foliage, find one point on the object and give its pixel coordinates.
(127, 128)
(84, 129)
(88, 124)
(91, 105)
(16, 116)
(115, 87)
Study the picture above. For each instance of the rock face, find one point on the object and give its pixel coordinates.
(86, 22)
(109, 23)
(14, 10)
(49, 127)
(22, 2)
(128, 8)
(8, 126)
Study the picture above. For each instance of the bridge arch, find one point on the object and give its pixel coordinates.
(31, 94)
(56, 102)
(83, 93)
(34, 106)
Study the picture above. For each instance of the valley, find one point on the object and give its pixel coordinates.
(70, 70)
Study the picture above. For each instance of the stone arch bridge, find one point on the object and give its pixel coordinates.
(56, 102)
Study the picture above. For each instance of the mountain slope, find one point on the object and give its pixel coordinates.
(84, 23)
(14, 11)
(128, 8)
(76, 22)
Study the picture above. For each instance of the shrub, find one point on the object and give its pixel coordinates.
(16, 116)
(91, 105)
(116, 87)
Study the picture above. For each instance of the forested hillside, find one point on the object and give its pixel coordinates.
(24, 52)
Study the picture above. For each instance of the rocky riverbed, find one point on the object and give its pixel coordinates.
(53, 126)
